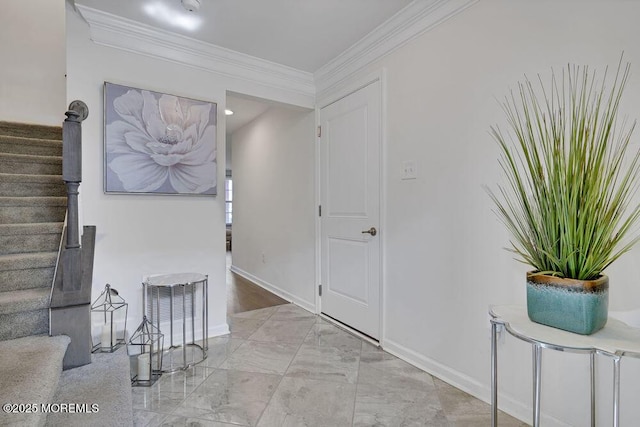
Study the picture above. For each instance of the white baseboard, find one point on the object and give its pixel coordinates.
(274, 289)
(507, 404)
(218, 330)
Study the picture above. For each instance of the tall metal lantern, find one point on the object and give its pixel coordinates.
(150, 342)
(111, 310)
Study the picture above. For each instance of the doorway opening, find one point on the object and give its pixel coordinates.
(261, 203)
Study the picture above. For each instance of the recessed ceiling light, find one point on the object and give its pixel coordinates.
(228, 112)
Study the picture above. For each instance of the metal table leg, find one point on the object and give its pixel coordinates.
(537, 362)
(616, 391)
(170, 316)
(592, 366)
(184, 327)
(193, 313)
(494, 374)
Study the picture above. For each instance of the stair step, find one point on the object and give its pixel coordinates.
(12, 302)
(21, 210)
(35, 237)
(30, 370)
(24, 312)
(33, 146)
(26, 271)
(21, 185)
(30, 164)
(30, 130)
(24, 324)
(105, 381)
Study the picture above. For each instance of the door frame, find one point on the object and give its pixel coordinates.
(334, 94)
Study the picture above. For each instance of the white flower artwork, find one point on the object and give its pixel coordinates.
(158, 143)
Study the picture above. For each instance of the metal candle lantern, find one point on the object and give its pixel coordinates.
(151, 341)
(112, 310)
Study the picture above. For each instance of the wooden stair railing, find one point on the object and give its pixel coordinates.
(70, 306)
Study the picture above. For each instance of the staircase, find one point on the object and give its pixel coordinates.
(33, 204)
(32, 209)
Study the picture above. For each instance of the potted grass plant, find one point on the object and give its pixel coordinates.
(569, 201)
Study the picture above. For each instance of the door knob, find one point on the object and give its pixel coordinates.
(371, 231)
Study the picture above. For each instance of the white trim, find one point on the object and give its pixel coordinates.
(410, 22)
(383, 202)
(125, 34)
(353, 85)
(132, 36)
(273, 289)
(467, 384)
(216, 331)
(318, 222)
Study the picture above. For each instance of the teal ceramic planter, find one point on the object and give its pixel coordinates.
(579, 306)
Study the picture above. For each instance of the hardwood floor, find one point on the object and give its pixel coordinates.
(243, 295)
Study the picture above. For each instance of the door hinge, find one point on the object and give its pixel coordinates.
(319, 131)
(319, 210)
(320, 290)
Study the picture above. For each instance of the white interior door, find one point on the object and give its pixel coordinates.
(350, 219)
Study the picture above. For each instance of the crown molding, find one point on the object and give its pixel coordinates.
(410, 22)
(132, 36)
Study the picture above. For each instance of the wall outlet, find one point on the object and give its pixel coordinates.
(264, 259)
(409, 170)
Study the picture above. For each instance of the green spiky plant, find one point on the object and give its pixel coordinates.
(571, 176)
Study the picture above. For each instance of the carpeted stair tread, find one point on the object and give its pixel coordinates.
(17, 178)
(29, 130)
(30, 164)
(24, 324)
(27, 270)
(13, 280)
(33, 146)
(30, 241)
(105, 382)
(30, 238)
(33, 228)
(21, 210)
(30, 185)
(30, 371)
(27, 260)
(24, 300)
(33, 201)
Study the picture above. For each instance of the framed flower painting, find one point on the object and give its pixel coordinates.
(157, 143)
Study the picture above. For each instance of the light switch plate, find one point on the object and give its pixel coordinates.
(409, 170)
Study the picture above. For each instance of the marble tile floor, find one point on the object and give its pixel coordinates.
(283, 366)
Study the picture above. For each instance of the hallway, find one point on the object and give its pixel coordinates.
(242, 295)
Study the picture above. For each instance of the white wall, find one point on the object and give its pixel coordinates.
(138, 235)
(32, 74)
(273, 203)
(444, 262)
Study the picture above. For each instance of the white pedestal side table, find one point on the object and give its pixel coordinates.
(165, 289)
(615, 340)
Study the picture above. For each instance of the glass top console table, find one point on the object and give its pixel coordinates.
(615, 340)
(173, 298)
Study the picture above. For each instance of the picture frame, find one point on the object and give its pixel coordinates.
(156, 143)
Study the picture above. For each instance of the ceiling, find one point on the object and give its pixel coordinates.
(302, 34)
